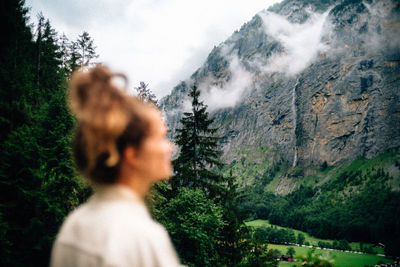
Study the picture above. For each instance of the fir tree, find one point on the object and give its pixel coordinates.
(16, 65)
(65, 56)
(199, 150)
(38, 186)
(145, 94)
(231, 248)
(49, 79)
(74, 58)
(86, 49)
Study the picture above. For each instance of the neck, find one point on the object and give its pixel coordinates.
(136, 183)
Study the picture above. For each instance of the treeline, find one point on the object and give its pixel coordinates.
(355, 206)
(276, 235)
(38, 185)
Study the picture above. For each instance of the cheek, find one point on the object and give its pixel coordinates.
(156, 159)
(165, 155)
(159, 156)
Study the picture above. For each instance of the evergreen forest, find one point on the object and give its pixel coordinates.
(38, 183)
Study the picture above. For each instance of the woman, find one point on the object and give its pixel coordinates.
(121, 147)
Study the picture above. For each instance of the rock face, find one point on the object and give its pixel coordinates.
(314, 81)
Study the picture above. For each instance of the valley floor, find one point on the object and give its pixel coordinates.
(341, 258)
(352, 258)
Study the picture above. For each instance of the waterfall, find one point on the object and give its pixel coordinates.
(294, 157)
(294, 122)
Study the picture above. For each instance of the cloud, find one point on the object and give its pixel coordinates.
(229, 93)
(159, 42)
(75, 16)
(301, 42)
(376, 40)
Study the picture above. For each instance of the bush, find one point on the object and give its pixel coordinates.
(314, 260)
(194, 222)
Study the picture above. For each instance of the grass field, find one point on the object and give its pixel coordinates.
(312, 240)
(342, 259)
(264, 223)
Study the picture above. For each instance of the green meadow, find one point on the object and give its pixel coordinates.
(341, 258)
(308, 238)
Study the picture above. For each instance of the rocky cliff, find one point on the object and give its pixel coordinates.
(309, 81)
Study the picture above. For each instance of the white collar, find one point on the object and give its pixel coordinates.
(117, 192)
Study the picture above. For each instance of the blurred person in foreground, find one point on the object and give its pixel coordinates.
(120, 145)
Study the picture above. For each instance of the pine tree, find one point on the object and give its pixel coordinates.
(16, 64)
(16, 82)
(199, 150)
(74, 58)
(65, 55)
(86, 49)
(145, 94)
(196, 167)
(38, 185)
(232, 249)
(38, 42)
(49, 78)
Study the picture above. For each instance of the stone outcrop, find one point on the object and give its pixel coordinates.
(342, 104)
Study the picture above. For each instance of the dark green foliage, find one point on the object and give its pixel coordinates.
(290, 251)
(275, 235)
(199, 150)
(197, 170)
(69, 55)
(323, 244)
(270, 173)
(257, 204)
(38, 186)
(259, 256)
(232, 249)
(300, 238)
(355, 205)
(367, 249)
(195, 224)
(340, 245)
(314, 260)
(16, 67)
(73, 60)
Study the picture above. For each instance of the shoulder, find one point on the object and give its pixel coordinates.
(118, 232)
(115, 225)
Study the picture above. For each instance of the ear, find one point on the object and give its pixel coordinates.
(129, 155)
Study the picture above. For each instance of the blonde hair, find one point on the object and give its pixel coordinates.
(108, 120)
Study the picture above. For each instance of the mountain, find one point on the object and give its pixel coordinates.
(304, 82)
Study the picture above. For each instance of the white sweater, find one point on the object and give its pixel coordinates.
(113, 228)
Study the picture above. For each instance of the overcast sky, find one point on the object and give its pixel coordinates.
(160, 42)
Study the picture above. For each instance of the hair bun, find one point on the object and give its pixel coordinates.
(92, 92)
(100, 74)
(103, 111)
